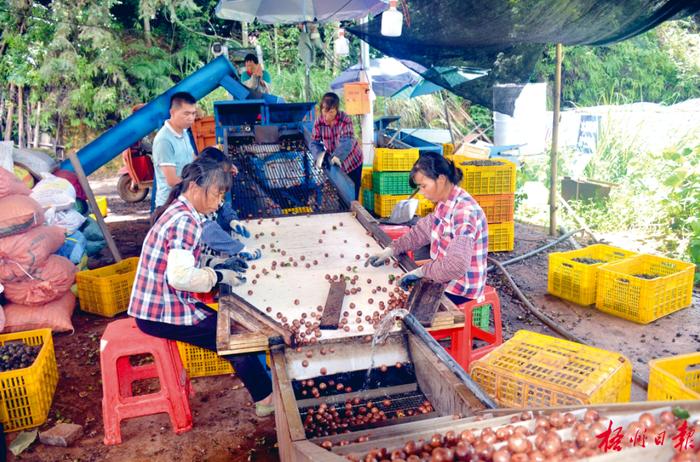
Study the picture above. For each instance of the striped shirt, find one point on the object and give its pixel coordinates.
(337, 140)
(457, 232)
(152, 298)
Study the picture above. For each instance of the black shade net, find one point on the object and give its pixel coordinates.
(506, 38)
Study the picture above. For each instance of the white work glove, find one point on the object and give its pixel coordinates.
(249, 255)
(336, 161)
(379, 259)
(238, 227)
(411, 278)
(230, 278)
(319, 160)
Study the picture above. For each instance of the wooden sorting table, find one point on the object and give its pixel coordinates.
(245, 325)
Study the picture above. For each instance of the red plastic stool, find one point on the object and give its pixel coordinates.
(461, 338)
(121, 340)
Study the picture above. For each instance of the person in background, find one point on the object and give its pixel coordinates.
(220, 226)
(171, 268)
(172, 149)
(254, 77)
(456, 231)
(333, 140)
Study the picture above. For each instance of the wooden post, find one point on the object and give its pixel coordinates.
(82, 179)
(275, 50)
(37, 125)
(555, 141)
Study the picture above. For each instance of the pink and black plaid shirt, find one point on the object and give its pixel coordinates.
(152, 298)
(331, 138)
(460, 216)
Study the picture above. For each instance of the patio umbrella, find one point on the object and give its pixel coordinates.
(387, 75)
(296, 11)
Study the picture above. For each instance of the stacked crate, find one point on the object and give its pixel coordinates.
(366, 196)
(391, 171)
(493, 187)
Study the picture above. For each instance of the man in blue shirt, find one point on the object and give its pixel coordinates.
(172, 149)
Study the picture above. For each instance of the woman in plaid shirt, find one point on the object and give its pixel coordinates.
(171, 269)
(456, 232)
(333, 140)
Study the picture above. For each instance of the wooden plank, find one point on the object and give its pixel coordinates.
(691, 405)
(444, 390)
(82, 179)
(223, 328)
(288, 409)
(334, 305)
(239, 305)
(372, 225)
(429, 428)
(284, 439)
(424, 300)
(384, 432)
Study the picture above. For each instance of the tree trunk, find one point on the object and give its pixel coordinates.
(277, 56)
(244, 34)
(10, 112)
(20, 116)
(37, 125)
(147, 31)
(28, 118)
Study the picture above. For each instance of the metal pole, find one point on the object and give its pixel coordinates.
(555, 142)
(367, 119)
(417, 328)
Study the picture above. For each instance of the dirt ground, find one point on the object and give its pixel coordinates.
(225, 426)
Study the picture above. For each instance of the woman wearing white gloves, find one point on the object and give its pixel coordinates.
(171, 269)
(456, 231)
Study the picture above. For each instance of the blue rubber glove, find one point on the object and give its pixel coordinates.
(236, 263)
(411, 278)
(239, 228)
(250, 255)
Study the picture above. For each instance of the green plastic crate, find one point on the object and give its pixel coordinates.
(368, 199)
(481, 317)
(395, 183)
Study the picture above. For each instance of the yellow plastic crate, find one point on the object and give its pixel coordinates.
(394, 160)
(106, 291)
(674, 378)
(479, 180)
(576, 281)
(385, 203)
(533, 370)
(448, 149)
(200, 362)
(425, 207)
(366, 181)
(27, 393)
(501, 237)
(622, 294)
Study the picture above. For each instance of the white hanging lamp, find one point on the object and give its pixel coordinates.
(392, 20)
(341, 45)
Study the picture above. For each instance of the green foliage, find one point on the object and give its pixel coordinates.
(650, 67)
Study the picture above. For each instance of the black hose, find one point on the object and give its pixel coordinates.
(636, 378)
(538, 250)
(417, 328)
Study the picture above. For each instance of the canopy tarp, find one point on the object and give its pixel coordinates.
(294, 11)
(507, 37)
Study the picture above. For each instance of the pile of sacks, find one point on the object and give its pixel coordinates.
(37, 283)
